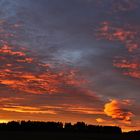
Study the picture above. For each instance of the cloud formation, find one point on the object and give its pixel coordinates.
(128, 36)
(23, 71)
(100, 120)
(118, 110)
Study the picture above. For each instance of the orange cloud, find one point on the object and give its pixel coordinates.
(117, 110)
(100, 120)
(85, 110)
(28, 109)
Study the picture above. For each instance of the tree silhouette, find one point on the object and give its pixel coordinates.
(58, 127)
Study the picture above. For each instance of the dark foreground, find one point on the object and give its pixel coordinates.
(34, 135)
(32, 130)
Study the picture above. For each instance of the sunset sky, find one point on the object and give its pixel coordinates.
(70, 60)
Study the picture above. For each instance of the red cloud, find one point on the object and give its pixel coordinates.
(128, 36)
(129, 67)
(22, 71)
(28, 74)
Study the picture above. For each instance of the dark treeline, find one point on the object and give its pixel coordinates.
(57, 127)
(24, 130)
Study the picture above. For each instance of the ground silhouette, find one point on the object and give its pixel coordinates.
(24, 130)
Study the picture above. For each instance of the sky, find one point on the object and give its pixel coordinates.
(70, 60)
